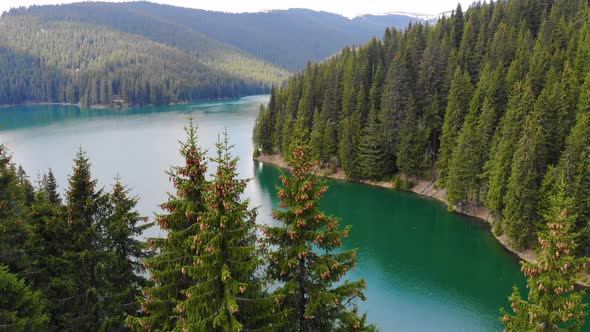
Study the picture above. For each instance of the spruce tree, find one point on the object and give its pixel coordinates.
(371, 150)
(507, 135)
(553, 303)
(122, 269)
(49, 252)
(310, 286)
(13, 210)
(457, 104)
(316, 138)
(225, 261)
(413, 142)
(520, 215)
(49, 186)
(21, 309)
(83, 205)
(158, 301)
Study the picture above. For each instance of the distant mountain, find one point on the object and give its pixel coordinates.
(147, 53)
(287, 38)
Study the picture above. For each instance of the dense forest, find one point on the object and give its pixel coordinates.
(492, 103)
(287, 38)
(145, 53)
(76, 262)
(43, 59)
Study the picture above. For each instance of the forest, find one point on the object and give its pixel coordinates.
(286, 38)
(69, 61)
(138, 53)
(77, 261)
(493, 104)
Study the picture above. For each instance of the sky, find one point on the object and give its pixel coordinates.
(349, 8)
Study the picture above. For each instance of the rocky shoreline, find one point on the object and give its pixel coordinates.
(428, 189)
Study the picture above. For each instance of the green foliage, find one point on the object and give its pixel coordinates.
(483, 101)
(553, 303)
(63, 54)
(21, 309)
(229, 294)
(401, 183)
(305, 258)
(158, 301)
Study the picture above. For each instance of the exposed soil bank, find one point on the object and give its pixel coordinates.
(428, 189)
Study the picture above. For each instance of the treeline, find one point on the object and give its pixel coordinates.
(493, 103)
(71, 62)
(76, 264)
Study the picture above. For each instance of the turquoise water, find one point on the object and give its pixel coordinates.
(427, 269)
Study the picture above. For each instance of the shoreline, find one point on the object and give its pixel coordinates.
(426, 188)
(101, 106)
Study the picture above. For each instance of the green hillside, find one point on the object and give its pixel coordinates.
(64, 60)
(492, 103)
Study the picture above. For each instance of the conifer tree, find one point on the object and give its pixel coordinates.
(122, 268)
(520, 216)
(308, 279)
(413, 141)
(48, 249)
(158, 301)
(83, 205)
(49, 186)
(371, 150)
(457, 104)
(316, 138)
(229, 295)
(469, 155)
(13, 209)
(21, 309)
(505, 142)
(553, 304)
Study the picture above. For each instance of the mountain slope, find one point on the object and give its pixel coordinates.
(288, 38)
(210, 52)
(145, 53)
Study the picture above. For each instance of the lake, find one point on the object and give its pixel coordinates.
(427, 269)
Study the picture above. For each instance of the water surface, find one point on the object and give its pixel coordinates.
(427, 269)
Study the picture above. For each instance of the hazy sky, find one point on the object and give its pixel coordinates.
(348, 8)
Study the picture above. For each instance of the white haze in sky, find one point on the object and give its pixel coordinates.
(349, 8)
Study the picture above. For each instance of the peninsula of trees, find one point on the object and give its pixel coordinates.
(492, 103)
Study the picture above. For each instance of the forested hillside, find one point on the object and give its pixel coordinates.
(137, 59)
(286, 38)
(493, 103)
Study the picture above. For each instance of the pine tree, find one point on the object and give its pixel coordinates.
(504, 146)
(316, 138)
(83, 205)
(553, 304)
(413, 142)
(520, 217)
(159, 300)
(457, 104)
(371, 151)
(21, 309)
(229, 295)
(49, 186)
(308, 280)
(49, 250)
(469, 155)
(122, 268)
(13, 210)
